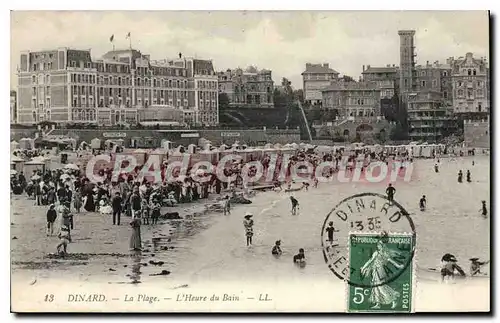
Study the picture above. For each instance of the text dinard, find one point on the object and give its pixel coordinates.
(359, 205)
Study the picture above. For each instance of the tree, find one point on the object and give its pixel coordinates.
(223, 101)
(398, 132)
(299, 95)
(347, 78)
(287, 86)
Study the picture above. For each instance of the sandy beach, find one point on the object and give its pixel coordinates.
(207, 255)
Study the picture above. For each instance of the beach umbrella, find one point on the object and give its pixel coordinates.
(13, 172)
(72, 167)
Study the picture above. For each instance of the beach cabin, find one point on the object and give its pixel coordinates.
(18, 163)
(31, 166)
(166, 144)
(211, 156)
(140, 156)
(191, 149)
(114, 145)
(14, 145)
(159, 153)
(95, 143)
(27, 144)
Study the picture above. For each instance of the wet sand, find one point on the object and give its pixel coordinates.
(209, 251)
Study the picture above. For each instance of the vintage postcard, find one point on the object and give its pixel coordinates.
(250, 161)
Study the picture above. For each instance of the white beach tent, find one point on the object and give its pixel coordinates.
(95, 143)
(191, 149)
(166, 144)
(14, 145)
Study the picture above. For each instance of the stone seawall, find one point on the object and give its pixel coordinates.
(153, 138)
(477, 133)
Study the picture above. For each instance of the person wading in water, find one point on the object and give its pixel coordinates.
(390, 191)
(295, 204)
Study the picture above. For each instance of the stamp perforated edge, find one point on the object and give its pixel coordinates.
(413, 268)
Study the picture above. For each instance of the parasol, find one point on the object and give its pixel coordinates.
(72, 167)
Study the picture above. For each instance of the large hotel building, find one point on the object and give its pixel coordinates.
(67, 86)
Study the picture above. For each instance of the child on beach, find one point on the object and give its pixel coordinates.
(300, 257)
(155, 211)
(330, 230)
(248, 224)
(145, 211)
(227, 205)
(295, 204)
(51, 218)
(276, 251)
(484, 210)
(475, 266)
(65, 238)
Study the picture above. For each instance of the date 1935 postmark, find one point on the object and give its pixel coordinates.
(362, 213)
(384, 262)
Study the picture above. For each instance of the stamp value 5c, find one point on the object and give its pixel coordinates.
(381, 272)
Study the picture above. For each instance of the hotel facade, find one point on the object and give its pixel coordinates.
(68, 86)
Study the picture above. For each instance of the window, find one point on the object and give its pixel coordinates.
(459, 83)
(445, 94)
(474, 72)
(423, 83)
(479, 107)
(469, 72)
(445, 73)
(479, 83)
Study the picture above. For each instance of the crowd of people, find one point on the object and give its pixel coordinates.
(66, 191)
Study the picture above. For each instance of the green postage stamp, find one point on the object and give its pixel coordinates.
(381, 272)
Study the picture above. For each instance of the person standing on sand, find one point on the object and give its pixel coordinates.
(77, 200)
(295, 204)
(51, 218)
(135, 238)
(484, 209)
(227, 205)
(135, 203)
(116, 204)
(390, 191)
(248, 224)
(65, 239)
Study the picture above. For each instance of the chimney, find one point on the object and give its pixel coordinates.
(388, 65)
(368, 67)
(308, 65)
(393, 65)
(180, 55)
(326, 65)
(427, 63)
(363, 68)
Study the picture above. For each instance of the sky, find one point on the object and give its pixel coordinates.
(282, 41)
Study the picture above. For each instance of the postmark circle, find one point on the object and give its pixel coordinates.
(362, 214)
